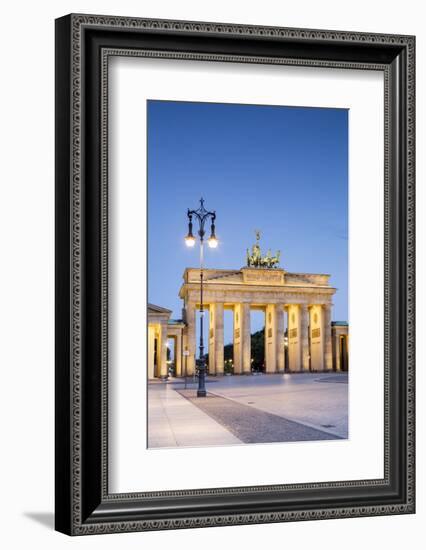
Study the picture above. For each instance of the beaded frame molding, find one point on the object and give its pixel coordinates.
(84, 44)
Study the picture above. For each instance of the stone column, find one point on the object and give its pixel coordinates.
(218, 339)
(334, 349)
(178, 355)
(328, 352)
(151, 348)
(294, 340)
(304, 336)
(190, 343)
(246, 338)
(238, 351)
(317, 338)
(162, 351)
(211, 337)
(280, 353)
(270, 339)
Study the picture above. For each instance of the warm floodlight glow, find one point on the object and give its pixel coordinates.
(213, 242)
(190, 240)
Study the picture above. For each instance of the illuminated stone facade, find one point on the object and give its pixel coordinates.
(300, 302)
(161, 329)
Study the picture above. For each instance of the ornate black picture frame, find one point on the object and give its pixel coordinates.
(83, 45)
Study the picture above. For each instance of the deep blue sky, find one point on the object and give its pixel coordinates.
(283, 170)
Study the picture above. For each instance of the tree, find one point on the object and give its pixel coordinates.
(257, 350)
(228, 352)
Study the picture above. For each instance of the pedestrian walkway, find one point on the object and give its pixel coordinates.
(173, 421)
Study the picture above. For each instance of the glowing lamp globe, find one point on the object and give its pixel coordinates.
(190, 241)
(213, 242)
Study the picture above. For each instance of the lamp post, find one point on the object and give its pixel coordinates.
(201, 215)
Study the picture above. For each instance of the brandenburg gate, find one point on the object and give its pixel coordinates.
(306, 299)
(297, 310)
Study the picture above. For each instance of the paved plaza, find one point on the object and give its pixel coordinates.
(248, 409)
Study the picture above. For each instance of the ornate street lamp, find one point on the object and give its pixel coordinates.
(202, 215)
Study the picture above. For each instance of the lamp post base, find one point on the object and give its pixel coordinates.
(201, 390)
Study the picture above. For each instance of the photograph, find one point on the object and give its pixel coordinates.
(234, 272)
(248, 338)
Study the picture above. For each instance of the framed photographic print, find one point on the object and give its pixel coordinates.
(234, 274)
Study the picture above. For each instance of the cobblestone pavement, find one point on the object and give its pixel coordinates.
(251, 425)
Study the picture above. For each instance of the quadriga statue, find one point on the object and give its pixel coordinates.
(255, 259)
